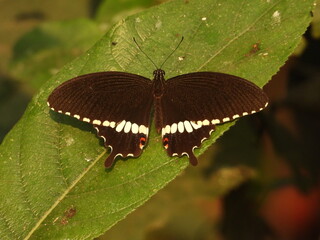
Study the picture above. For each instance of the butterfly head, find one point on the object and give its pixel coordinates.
(158, 73)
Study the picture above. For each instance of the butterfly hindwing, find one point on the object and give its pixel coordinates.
(121, 143)
(197, 102)
(118, 104)
(179, 143)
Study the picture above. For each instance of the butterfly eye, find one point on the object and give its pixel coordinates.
(142, 142)
(159, 72)
(166, 142)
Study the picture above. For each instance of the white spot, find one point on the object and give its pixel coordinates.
(127, 127)
(59, 111)
(194, 125)
(76, 116)
(112, 124)
(180, 58)
(205, 122)
(235, 116)
(106, 123)
(186, 154)
(143, 129)
(276, 16)
(199, 123)
(180, 127)
(253, 111)
(211, 131)
(120, 126)
(215, 121)
(52, 109)
(187, 126)
(245, 113)
(174, 128)
(266, 104)
(134, 128)
(68, 113)
(104, 139)
(203, 139)
(167, 129)
(226, 119)
(97, 122)
(130, 155)
(174, 154)
(69, 141)
(86, 119)
(119, 154)
(158, 24)
(48, 104)
(204, 19)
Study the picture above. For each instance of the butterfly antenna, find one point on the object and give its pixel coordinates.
(172, 52)
(144, 52)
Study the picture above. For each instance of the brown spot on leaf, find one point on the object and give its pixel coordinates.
(254, 48)
(68, 214)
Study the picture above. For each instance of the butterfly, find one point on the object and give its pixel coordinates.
(186, 107)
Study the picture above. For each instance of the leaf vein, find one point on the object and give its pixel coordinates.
(22, 182)
(7, 223)
(59, 162)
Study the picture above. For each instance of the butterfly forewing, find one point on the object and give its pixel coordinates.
(118, 104)
(193, 103)
(212, 96)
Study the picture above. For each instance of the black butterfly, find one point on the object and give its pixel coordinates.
(186, 107)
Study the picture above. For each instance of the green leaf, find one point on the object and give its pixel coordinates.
(40, 53)
(53, 183)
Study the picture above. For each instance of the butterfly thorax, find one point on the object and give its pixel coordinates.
(158, 83)
(158, 90)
